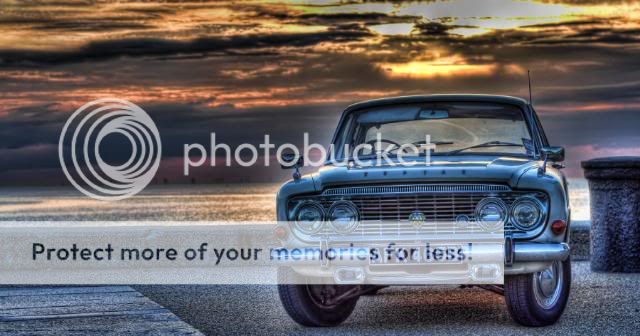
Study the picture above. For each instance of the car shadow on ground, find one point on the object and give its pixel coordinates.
(396, 310)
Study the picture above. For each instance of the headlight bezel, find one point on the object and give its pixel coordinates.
(542, 213)
(309, 203)
(349, 205)
(501, 205)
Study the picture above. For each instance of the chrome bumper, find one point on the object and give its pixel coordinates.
(514, 252)
(528, 252)
(526, 257)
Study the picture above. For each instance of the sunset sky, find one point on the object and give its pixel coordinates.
(246, 68)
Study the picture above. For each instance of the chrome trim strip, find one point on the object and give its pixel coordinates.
(541, 252)
(415, 188)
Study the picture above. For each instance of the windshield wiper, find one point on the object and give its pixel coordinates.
(422, 142)
(484, 145)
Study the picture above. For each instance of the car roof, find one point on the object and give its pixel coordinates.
(437, 98)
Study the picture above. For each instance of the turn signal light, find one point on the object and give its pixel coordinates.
(558, 227)
(280, 232)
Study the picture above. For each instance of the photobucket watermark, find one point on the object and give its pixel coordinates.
(79, 149)
(377, 151)
(84, 165)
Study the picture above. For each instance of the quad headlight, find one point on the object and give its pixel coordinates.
(526, 213)
(491, 214)
(309, 217)
(343, 216)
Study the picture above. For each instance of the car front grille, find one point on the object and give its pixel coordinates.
(385, 210)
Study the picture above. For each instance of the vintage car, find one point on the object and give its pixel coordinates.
(485, 165)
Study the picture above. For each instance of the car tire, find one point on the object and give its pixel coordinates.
(535, 300)
(303, 305)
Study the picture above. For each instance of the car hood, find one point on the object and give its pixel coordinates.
(506, 170)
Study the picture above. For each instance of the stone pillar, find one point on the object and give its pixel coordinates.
(614, 185)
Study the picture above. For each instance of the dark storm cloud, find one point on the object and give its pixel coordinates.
(156, 47)
(574, 23)
(364, 18)
(33, 144)
(74, 21)
(76, 16)
(283, 13)
(331, 19)
(235, 126)
(31, 125)
(594, 36)
(89, 26)
(30, 157)
(589, 33)
(604, 128)
(433, 28)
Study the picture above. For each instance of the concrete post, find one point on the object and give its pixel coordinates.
(614, 185)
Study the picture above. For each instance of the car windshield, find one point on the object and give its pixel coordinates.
(442, 129)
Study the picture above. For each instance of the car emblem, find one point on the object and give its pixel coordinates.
(417, 218)
(462, 221)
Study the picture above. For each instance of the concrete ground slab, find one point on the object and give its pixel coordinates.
(599, 304)
(82, 310)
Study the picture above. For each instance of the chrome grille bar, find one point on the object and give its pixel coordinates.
(415, 188)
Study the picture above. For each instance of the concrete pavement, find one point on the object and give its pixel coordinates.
(599, 304)
(83, 310)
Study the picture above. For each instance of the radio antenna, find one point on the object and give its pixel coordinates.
(530, 96)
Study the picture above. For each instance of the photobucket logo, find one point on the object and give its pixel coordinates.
(80, 142)
(374, 152)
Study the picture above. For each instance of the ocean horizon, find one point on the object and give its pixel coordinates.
(189, 202)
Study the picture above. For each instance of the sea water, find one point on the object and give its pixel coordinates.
(214, 202)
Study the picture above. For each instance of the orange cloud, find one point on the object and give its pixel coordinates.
(442, 67)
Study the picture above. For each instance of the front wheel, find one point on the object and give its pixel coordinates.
(314, 305)
(539, 299)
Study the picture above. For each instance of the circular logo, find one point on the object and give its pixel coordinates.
(85, 131)
(417, 218)
(462, 221)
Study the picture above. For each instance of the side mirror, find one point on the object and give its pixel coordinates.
(554, 154)
(292, 161)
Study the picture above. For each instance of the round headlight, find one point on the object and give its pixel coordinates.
(343, 216)
(309, 217)
(491, 214)
(526, 213)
